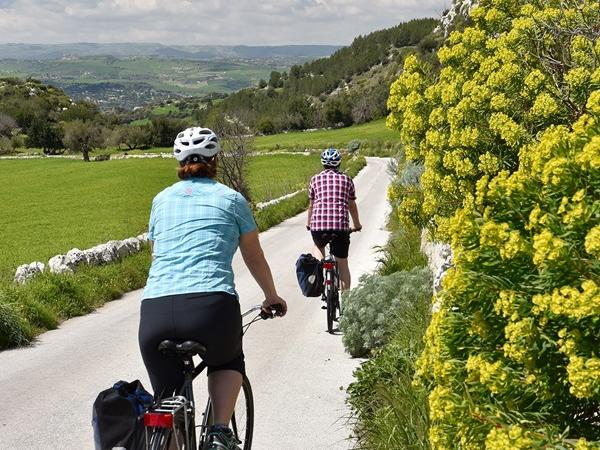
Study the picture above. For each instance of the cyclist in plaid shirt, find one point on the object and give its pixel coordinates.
(332, 200)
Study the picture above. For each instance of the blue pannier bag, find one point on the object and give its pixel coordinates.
(118, 416)
(309, 272)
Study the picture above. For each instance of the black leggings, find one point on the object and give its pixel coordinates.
(213, 319)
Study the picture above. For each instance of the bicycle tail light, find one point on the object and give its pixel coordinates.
(158, 420)
(328, 265)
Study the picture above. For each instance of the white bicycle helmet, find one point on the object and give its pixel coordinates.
(331, 157)
(196, 141)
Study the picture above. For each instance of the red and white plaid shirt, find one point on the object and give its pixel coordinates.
(330, 191)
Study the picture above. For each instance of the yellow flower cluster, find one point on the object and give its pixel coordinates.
(509, 130)
(570, 301)
(439, 403)
(584, 376)
(513, 438)
(547, 247)
(544, 106)
(499, 236)
(519, 336)
(592, 242)
(583, 444)
(491, 375)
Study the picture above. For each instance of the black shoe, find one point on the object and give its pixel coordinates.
(221, 439)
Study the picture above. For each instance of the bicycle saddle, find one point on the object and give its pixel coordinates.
(186, 348)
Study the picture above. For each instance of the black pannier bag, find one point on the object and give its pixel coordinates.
(118, 416)
(309, 271)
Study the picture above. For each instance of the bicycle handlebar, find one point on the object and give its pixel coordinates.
(263, 314)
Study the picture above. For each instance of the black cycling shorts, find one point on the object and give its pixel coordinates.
(340, 241)
(213, 319)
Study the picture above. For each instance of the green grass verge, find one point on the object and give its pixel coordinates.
(369, 134)
(386, 318)
(42, 303)
(388, 411)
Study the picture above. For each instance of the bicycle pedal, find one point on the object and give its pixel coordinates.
(324, 307)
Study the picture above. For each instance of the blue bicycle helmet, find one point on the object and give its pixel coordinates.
(331, 157)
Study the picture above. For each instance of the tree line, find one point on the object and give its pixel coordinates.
(35, 115)
(319, 94)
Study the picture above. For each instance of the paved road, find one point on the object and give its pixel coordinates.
(296, 368)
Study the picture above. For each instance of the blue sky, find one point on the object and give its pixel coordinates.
(225, 22)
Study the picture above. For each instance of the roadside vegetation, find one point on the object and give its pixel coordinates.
(46, 300)
(508, 136)
(384, 320)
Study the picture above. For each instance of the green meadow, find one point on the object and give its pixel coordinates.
(48, 206)
(369, 132)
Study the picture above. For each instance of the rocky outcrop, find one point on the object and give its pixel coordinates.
(439, 258)
(459, 11)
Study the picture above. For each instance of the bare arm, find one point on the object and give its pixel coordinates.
(353, 209)
(259, 268)
(310, 210)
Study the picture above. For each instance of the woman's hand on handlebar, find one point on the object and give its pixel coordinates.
(274, 306)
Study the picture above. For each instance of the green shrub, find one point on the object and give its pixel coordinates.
(402, 251)
(388, 411)
(378, 302)
(13, 329)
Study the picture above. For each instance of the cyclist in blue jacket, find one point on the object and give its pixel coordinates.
(196, 226)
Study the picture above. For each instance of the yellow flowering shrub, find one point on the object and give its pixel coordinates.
(521, 67)
(512, 356)
(508, 135)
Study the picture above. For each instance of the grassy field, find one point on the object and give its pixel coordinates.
(52, 205)
(372, 131)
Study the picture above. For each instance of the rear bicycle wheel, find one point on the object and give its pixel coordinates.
(159, 438)
(242, 420)
(330, 310)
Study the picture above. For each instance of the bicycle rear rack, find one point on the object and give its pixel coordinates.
(169, 413)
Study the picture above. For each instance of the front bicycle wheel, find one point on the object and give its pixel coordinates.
(242, 420)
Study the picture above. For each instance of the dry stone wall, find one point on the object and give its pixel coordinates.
(95, 256)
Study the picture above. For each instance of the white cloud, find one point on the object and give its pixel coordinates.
(267, 22)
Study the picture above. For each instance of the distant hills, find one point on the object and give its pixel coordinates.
(188, 52)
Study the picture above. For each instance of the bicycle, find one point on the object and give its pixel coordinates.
(172, 420)
(331, 284)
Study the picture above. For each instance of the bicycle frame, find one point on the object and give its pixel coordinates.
(184, 403)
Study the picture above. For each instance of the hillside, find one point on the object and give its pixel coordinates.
(130, 75)
(134, 81)
(350, 86)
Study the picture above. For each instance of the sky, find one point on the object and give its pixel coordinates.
(214, 22)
